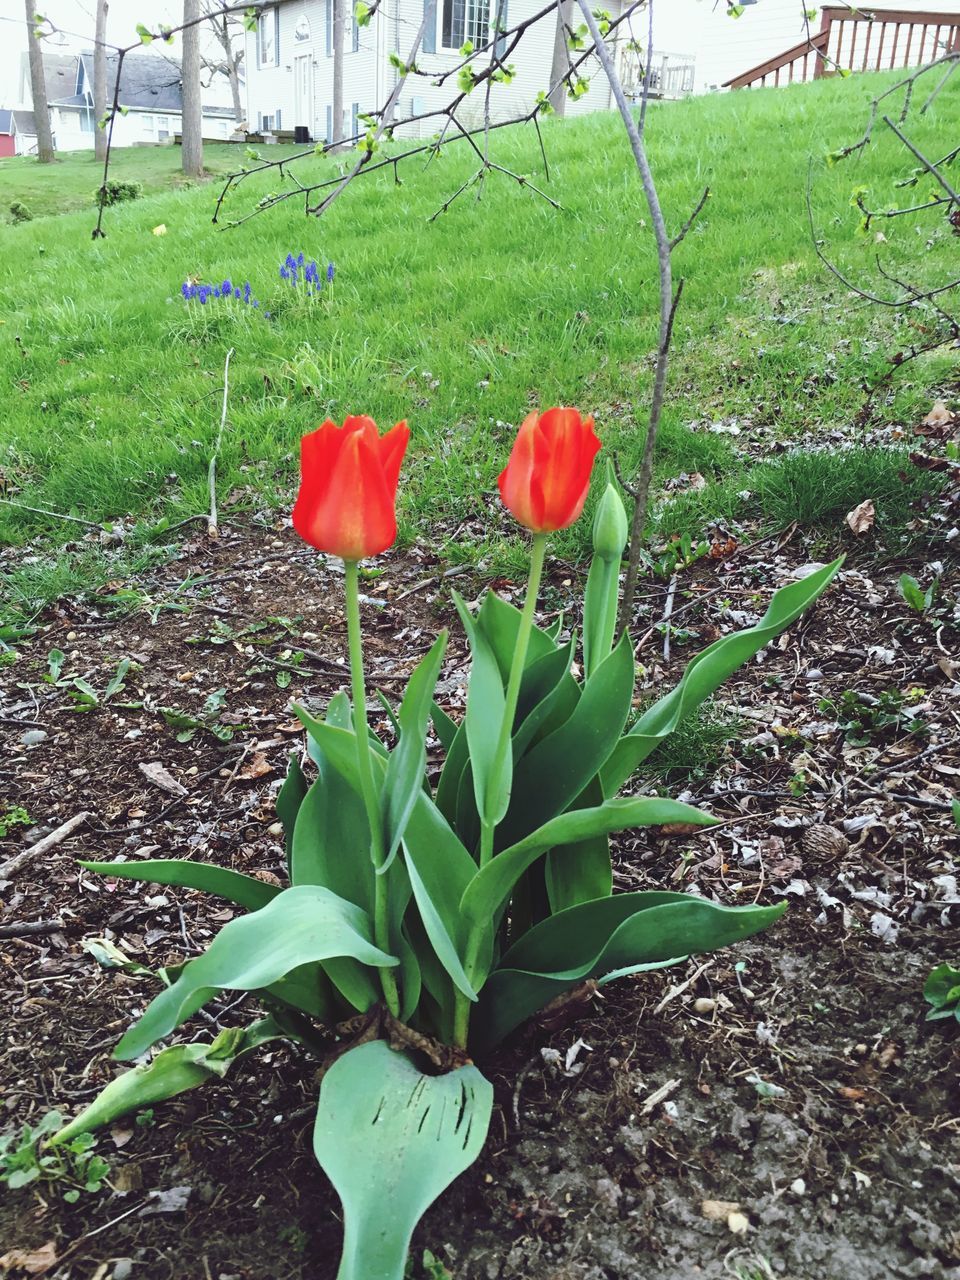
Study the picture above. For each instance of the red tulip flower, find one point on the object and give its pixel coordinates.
(546, 481)
(348, 487)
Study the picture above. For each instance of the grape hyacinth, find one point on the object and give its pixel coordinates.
(296, 270)
(226, 289)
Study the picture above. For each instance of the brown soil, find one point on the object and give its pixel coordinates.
(802, 1086)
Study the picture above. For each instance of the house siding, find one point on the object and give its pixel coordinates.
(368, 77)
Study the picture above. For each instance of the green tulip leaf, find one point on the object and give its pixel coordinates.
(580, 871)
(288, 802)
(552, 774)
(171, 1072)
(485, 711)
(299, 926)
(245, 891)
(500, 623)
(408, 760)
(445, 728)
(391, 1139)
(633, 930)
(707, 671)
(490, 888)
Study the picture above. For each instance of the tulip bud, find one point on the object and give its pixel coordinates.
(610, 526)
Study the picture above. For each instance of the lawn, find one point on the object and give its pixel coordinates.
(111, 381)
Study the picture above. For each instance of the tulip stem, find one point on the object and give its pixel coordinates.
(381, 924)
(537, 554)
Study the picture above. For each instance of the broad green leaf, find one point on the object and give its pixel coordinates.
(451, 776)
(440, 869)
(490, 888)
(707, 671)
(445, 728)
(288, 802)
(404, 776)
(299, 926)
(438, 865)
(171, 1072)
(581, 871)
(485, 711)
(542, 692)
(552, 774)
(391, 1139)
(331, 847)
(245, 891)
(942, 991)
(307, 989)
(500, 623)
(596, 938)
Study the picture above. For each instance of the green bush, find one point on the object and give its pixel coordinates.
(20, 212)
(115, 191)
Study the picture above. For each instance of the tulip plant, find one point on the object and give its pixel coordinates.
(423, 923)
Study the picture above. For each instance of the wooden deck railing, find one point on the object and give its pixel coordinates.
(864, 40)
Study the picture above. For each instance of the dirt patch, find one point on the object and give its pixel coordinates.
(792, 1078)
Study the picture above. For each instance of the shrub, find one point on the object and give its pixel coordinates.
(115, 191)
(20, 212)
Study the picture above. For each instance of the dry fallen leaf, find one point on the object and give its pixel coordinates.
(719, 1210)
(34, 1261)
(861, 518)
(939, 415)
(259, 766)
(159, 776)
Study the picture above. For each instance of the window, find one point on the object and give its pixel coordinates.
(465, 20)
(328, 23)
(86, 120)
(473, 20)
(147, 123)
(268, 39)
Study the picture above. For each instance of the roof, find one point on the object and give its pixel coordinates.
(149, 81)
(60, 75)
(6, 121)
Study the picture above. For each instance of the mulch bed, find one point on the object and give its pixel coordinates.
(781, 1109)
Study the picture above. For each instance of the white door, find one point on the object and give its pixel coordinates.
(303, 90)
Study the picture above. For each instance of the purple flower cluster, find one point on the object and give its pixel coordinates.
(298, 271)
(226, 289)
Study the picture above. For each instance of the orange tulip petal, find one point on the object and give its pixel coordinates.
(546, 481)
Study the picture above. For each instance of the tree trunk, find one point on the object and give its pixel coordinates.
(38, 90)
(337, 111)
(100, 82)
(233, 74)
(192, 119)
(561, 57)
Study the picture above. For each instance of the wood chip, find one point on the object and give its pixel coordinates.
(158, 775)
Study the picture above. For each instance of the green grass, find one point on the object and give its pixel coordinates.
(73, 180)
(110, 382)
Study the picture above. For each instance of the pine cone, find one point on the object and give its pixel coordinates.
(823, 841)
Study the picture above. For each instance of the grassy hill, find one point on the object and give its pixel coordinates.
(110, 380)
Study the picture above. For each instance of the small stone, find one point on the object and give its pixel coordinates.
(122, 1269)
(32, 737)
(798, 1187)
(738, 1223)
(275, 829)
(704, 1005)
(71, 635)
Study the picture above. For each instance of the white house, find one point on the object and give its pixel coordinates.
(150, 90)
(289, 64)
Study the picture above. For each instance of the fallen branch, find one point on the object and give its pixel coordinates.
(30, 928)
(42, 511)
(213, 530)
(43, 846)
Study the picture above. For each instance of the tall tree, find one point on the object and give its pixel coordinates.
(100, 81)
(192, 120)
(38, 89)
(228, 29)
(337, 111)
